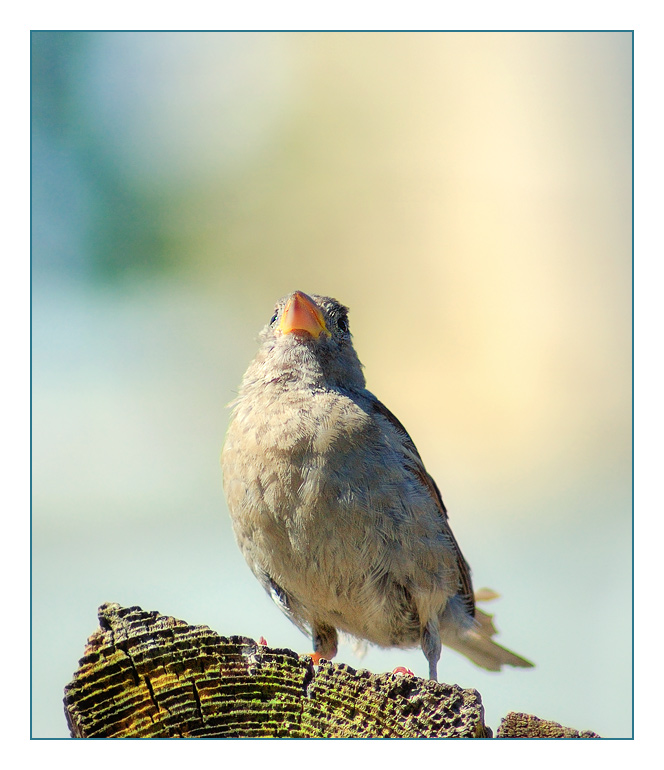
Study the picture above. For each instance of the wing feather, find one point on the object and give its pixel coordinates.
(414, 463)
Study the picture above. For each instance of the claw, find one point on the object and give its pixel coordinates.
(262, 641)
(403, 670)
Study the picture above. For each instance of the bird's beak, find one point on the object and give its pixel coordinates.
(302, 315)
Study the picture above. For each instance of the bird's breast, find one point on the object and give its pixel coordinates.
(322, 502)
(293, 458)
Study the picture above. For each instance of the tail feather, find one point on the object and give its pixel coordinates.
(477, 645)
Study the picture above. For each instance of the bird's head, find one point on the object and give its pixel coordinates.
(308, 339)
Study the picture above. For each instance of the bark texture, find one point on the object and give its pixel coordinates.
(516, 725)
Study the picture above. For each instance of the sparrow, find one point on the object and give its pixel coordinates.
(331, 504)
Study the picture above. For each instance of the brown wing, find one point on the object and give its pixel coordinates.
(416, 466)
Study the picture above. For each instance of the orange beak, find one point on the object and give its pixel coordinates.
(302, 315)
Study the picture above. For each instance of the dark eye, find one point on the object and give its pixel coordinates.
(274, 318)
(342, 324)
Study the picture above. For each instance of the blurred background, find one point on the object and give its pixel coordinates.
(468, 195)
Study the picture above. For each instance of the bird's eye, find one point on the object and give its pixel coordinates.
(342, 324)
(273, 319)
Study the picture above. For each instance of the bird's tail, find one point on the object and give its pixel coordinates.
(477, 645)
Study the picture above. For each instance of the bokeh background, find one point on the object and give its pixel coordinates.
(468, 195)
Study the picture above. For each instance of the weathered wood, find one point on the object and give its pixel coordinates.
(146, 675)
(516, 725)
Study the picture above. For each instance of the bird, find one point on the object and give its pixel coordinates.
(332, 506)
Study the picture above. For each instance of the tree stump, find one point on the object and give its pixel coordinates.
(147, 675)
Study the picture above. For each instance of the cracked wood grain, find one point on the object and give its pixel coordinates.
(147, 675)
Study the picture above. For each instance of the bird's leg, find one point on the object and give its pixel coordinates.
(430, 640)
(325, 642)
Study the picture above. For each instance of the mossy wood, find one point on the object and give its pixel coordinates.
(146, 675)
